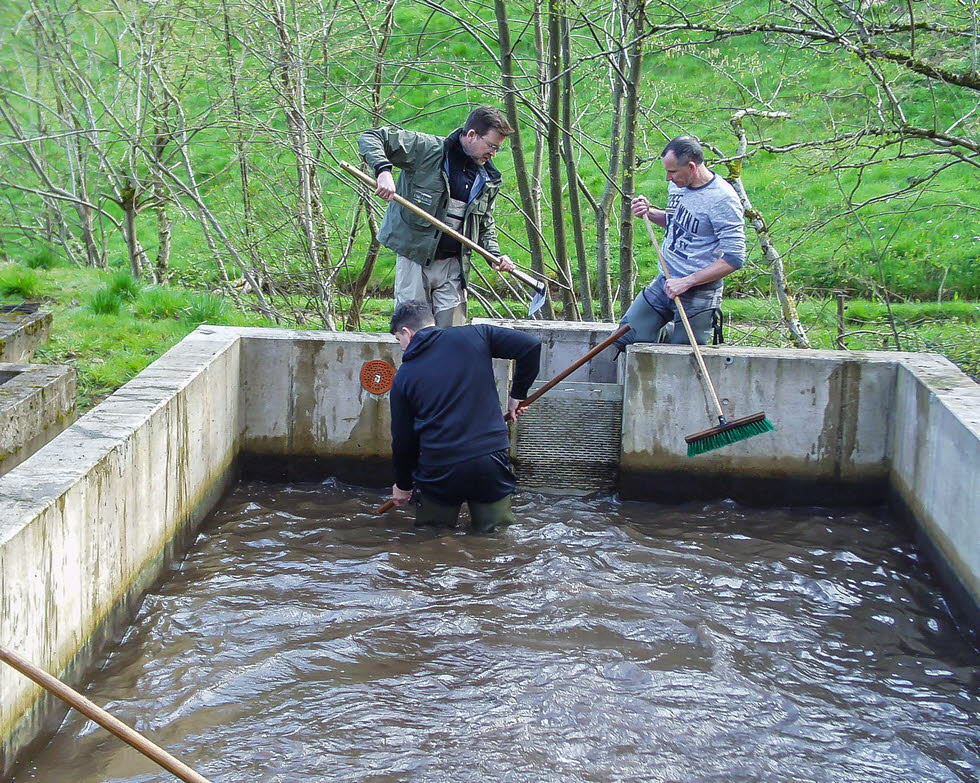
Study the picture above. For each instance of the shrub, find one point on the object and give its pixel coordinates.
(44, 258)
(160, 302)
(207, 308)
(18, 281)
(105, 302)
(125, 285)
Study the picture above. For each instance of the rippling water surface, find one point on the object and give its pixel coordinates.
(304, 639)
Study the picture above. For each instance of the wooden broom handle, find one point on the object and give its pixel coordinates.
(104, 719)
(687, 324)
(525, 278)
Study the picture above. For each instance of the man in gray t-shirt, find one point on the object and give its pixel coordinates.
(705, 242)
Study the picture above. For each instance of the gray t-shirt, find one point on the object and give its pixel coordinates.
(703, 225)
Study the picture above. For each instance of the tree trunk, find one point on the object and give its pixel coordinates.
(374, 246)
(618, 75)
(787, 304)
(524, 181)
(570, 311)
(367, 269)
(627, 271)
(310, 211)
(137, 256)
(571, 176)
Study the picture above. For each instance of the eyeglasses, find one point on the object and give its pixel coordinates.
(494, 148)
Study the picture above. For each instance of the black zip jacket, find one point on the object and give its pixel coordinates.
(444, 404)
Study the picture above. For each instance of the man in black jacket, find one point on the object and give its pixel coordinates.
(449, 441)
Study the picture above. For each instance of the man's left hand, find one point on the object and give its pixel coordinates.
(515, 408)
(677, 286)
(503, 264)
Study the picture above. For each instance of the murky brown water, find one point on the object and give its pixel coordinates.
(304, 639)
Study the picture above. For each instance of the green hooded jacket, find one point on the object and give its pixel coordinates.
(423, 181)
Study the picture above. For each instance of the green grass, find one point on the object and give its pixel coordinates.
(105, 302)
(45, 258)
(156, 302)
(106, 348)
(19, 281)
(125, 285)
(207, 308)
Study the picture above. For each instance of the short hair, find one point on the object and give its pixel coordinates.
(685, 149)
(412, 314)
(487, 118)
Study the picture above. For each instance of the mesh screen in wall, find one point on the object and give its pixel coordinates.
(569, 440)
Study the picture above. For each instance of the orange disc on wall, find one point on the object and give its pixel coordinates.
(377, 376)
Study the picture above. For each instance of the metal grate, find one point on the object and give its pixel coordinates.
(569, 440)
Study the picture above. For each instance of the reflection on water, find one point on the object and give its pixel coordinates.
(304, 639)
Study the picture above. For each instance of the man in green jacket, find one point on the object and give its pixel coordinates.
(453, 179)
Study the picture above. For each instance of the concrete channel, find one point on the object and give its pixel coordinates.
(93, 518)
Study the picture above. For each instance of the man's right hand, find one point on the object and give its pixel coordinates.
(400, 496)
(640, 206)
(386, 186)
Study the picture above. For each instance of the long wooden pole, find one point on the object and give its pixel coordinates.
(578, 363)
(389, 504)
(525, 278)
(104, 719)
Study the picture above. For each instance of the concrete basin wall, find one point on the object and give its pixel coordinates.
(305, 411)
(90, 520)
(563, 342)
(36, 403)
(21, 333)
(935, 467)
(832, 411)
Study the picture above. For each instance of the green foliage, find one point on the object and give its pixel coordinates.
(18, 281)
(125, 285)
(161, 302)
(206, 308)
(105, 302)
(43, 258)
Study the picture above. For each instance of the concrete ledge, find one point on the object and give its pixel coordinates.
(564, 342)
(935, 463)
(36, 403)
(90, 520)
(22, 330)
(831, 410)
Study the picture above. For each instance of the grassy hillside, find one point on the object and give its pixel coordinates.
(907, 263)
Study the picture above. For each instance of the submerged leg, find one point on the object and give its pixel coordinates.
(430, 513)
(487, 517)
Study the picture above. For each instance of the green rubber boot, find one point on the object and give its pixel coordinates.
(428, 513)
(487, 517)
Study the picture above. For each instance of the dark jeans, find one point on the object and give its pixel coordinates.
(485, 483)
(653, 309)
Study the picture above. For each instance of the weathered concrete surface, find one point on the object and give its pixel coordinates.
(830, 410)
(935, 462)
(21, 333)
(36, 403)
(306, 413)
(89, 521)
(564, 342)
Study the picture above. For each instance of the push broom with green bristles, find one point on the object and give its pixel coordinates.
(725, 432)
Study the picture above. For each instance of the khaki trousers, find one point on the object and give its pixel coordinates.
(440, 285)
